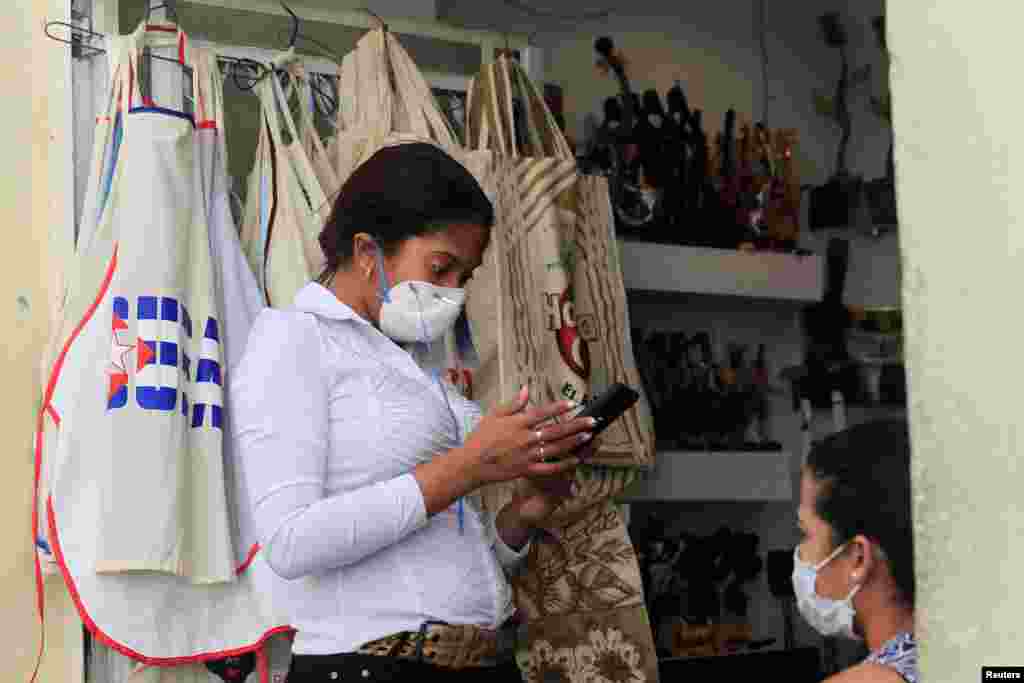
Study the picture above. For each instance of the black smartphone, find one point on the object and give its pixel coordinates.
(606, 408)
(609, 406)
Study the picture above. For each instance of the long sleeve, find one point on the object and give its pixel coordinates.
(282, 429)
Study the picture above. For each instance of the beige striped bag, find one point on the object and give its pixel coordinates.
(560, 325)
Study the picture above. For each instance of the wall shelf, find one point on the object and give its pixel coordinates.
(648, 266)
(753, 476)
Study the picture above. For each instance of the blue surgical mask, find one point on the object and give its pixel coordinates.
(826, 616)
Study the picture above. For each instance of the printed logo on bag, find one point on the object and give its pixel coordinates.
(161, 363)
(562, 321)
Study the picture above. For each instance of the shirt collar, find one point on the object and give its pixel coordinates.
(316, 299)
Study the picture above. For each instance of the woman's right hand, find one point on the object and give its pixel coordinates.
(511, 442)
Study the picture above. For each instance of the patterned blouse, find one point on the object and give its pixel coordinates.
(899, 653)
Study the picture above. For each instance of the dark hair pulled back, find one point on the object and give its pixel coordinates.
(864, 473)
(402, 191)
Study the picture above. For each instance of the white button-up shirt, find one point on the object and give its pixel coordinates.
(330, 418)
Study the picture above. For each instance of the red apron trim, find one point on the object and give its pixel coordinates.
(102, 637)
(253, 552)
(262, 666)
(51, 386)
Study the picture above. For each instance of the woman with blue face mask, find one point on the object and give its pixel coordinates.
(854, 568)
(358, 462)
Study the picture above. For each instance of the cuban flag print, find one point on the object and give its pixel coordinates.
(208, 399)
(161, 332)
(158, 355)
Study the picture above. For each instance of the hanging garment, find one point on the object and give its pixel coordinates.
(561, 326)
(238, 290)
(130, 454)
(287, 206)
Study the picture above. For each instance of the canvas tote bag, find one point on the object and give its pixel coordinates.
(286, 204)
(561, 326)
(131, 424)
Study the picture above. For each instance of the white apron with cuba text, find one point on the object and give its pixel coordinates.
(130, 445)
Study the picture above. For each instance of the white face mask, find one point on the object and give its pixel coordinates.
(826, 616)
(416, 311)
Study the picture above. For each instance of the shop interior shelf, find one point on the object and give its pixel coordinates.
(649, 266)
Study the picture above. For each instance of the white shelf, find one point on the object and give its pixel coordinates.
(753, 476)
(723, 272)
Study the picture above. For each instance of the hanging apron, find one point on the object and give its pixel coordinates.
(238, 290)
(281, 233)
(129, 446)
(561, 326)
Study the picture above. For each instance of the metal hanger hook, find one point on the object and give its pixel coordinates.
(295, 25)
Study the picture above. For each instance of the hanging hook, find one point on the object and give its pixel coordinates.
(76, 42)
(295, 26)
(326, 102)
(237, 66)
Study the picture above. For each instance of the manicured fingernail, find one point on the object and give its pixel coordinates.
(569, 405)
(574, 489)
(585, 437)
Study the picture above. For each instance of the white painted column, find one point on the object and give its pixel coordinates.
(36, 191)
(960, 185)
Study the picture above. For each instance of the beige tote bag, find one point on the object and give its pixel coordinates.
(286, 204)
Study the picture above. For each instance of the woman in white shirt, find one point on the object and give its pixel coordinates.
(358, 462)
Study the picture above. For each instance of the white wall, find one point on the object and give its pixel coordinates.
(35, 198)
(959, 139)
